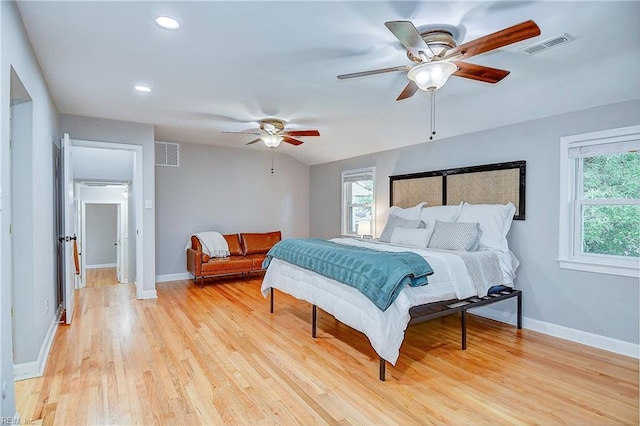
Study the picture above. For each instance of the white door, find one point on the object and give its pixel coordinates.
(69, 212)
(118, 243)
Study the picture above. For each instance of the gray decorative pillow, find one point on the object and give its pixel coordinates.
(394, 221)
(458, 236)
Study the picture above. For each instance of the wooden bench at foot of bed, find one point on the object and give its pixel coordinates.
(443, 308)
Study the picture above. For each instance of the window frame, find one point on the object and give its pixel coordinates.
(571, 203)
(345, 203)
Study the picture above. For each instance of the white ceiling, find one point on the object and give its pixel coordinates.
(233, 63)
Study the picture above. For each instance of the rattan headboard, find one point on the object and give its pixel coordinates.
(487, 184)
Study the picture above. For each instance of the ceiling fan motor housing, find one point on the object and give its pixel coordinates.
(266, 124)
(440, 41)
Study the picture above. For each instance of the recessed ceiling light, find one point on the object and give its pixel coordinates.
(141, 88)
(167, 23)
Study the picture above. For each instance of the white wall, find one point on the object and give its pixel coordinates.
(227, 190)
(123, 132)
(102, 165)
(599, 306)
(101, 234)
(22, 231)
(16, 52)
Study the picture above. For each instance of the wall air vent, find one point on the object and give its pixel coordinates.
(167, 154)
(546, 44)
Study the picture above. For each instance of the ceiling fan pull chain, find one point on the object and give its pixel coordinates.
(433, 114)
(271, 160)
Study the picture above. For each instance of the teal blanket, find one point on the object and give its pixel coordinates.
(379, 275)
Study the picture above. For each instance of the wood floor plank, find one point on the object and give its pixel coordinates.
(101, 277)
(217, 356)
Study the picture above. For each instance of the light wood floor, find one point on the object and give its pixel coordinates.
(216, 356)
(101, 277)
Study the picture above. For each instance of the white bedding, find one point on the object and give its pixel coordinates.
(385, 330)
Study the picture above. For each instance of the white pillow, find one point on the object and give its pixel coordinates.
(395, 221)
(495, 222)
(411, 237)
(410, 213)
(429, 215)
(457, 236)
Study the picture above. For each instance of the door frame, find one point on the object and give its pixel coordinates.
(70, 227)
(138, 186)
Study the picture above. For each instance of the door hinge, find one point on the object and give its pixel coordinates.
(11, 228)
(12, 312)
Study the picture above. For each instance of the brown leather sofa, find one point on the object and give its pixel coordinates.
(247, 252)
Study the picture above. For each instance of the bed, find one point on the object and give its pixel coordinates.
(461, 280)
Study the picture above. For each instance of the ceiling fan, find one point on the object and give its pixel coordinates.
(273, 133)
(436, 55)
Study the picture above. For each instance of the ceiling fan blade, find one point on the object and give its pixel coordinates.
(480, 72)
(410, 38)
(254, 141)
(243, 133)
(292, 141)
(495, 40)
(372, 72)
(302, 133)
(409, 90)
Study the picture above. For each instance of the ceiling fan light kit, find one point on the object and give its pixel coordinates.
(431, 75)
(272, 141)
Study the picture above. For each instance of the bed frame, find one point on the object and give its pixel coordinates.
(434, 310)
(498, 183)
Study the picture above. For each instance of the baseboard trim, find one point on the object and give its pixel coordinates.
(173, 277)
(148, 294)
(594, 340)
(29, 370)
(102, 265)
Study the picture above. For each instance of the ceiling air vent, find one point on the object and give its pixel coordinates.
(546, 44)
(167, 154)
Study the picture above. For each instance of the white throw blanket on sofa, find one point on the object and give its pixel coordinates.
(213, 244)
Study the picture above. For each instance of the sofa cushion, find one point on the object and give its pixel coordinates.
(233, 240)
(220, 265)
(257, 260)
(254, 243)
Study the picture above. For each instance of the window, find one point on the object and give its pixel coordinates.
(600, 202)
(358, 202)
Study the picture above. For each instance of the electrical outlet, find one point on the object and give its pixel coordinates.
(47, 302)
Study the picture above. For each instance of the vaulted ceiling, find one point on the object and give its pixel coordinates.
(233, 63)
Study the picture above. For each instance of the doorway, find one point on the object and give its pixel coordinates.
(100, 245)
(103, 233)
(92, 176)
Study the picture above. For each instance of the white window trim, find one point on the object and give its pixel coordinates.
(343, 200)
(568, 259)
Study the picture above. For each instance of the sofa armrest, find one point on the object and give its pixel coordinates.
(194, 262)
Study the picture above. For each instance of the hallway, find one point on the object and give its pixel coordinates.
(101, 277)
